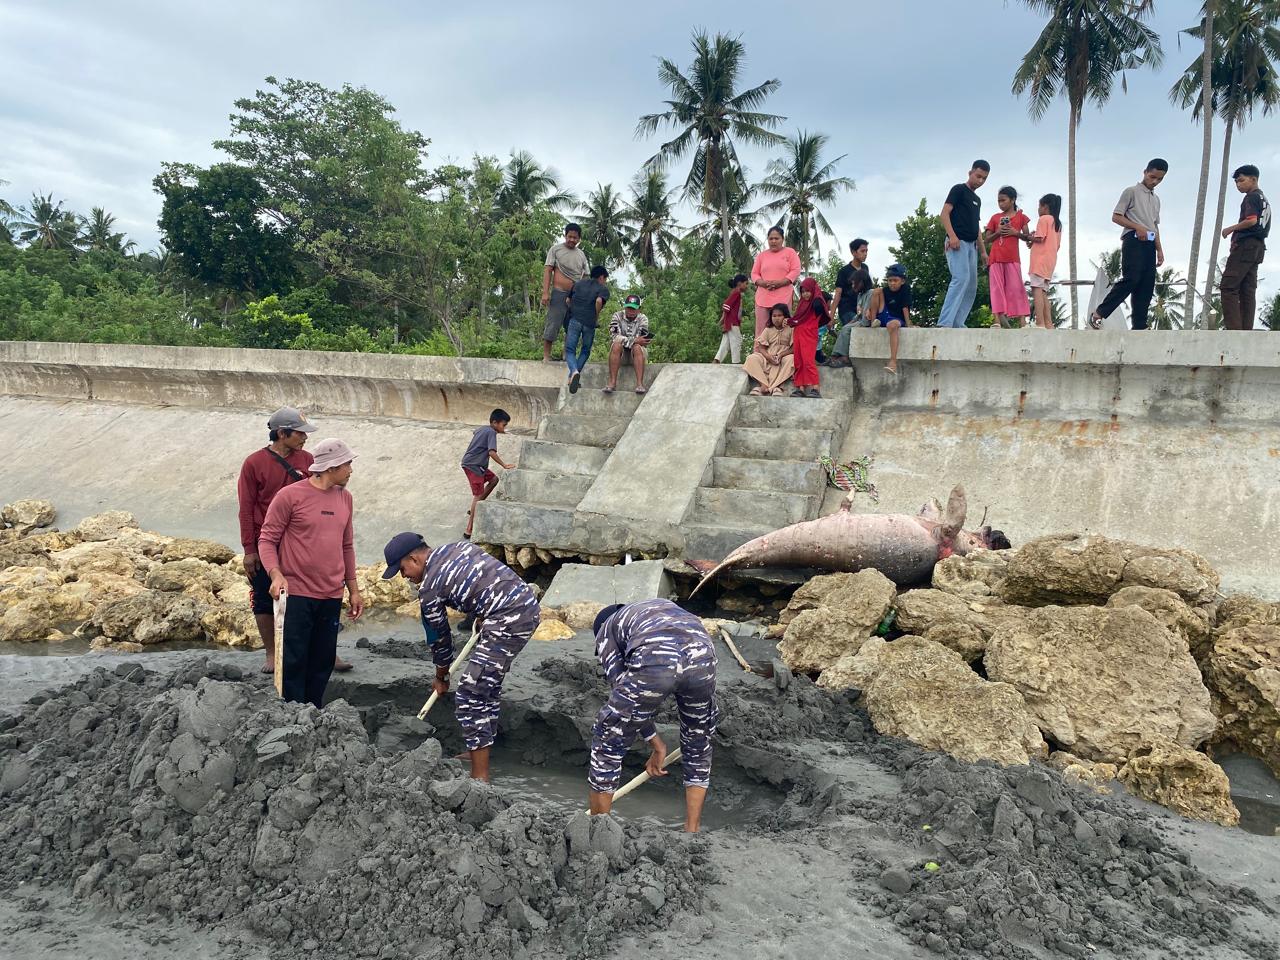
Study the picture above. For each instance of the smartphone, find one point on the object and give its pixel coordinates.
(1004, 221)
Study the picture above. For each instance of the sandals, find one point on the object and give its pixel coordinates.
(757, 392)
(813, 393)
(641, 390)
(606, 390)
(797, 392)
(892, 370)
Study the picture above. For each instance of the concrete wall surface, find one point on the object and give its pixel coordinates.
(437, 389)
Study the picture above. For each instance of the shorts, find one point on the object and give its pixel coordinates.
(884, 318)
(1042, 283)
(260, 593)
(478, 481)
(557, 315)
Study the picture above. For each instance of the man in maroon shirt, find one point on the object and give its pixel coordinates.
(307, 546)
(262, 475)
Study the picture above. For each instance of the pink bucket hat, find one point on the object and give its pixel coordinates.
(330, 453)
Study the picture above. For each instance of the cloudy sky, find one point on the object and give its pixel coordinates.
(95, 96)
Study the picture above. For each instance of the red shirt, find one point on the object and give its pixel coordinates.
(731, 312)
(309, 536)
(261, 478)
(1005, 249)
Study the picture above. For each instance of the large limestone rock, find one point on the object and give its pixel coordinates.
(976, 574)
(93, 556)
(149, 617)
(866, 595)
(96, 588)
(191, 576)
(1184, 780)
(231, 627)
(105, 526)
(237, 593)
(1189, 623)
(27, 552)
(817, 638)
(580, 615)
(1103, 682)
(551, 630)
(962, 623)
(855, 671)
(1240, 610)
(379, 593)
(40, 614)
(27, 515)
(941, 704)
(1244, 671)
(1072, 569)
(183, 548)
(141, 543)
(17, 583)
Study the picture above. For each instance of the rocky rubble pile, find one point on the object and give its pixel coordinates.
(1110, 659)
(199, 796)
(125, 588)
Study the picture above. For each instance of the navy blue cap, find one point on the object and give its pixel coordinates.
(604, 615)
(397, 548)
(896, 270)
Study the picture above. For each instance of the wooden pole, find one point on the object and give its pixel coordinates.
(278, 640)
(643, 778)
(453, 668)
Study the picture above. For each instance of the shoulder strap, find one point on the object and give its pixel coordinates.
(289, 468)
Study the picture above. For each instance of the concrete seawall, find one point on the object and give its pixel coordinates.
(1168, 438)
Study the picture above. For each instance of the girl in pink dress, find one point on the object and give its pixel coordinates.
(1044, 256)
(1004, 267)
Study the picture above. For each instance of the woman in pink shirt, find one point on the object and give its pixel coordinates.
(773, 274)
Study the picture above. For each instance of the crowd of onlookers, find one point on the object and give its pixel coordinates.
(795, 319)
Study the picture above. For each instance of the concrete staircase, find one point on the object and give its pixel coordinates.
(768, 475)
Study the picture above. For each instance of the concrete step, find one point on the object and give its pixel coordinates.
(543, 486)
(769, 443)
(590, 402)
(837, 383)
(501, 521)
(562, 457)
(715, 541)
(596, 375)
(792, 413)
(588, 431)
(793, 476)
(767, 507)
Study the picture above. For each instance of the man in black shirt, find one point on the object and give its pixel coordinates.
(853, 287)
(961, 219)
(1239, 284)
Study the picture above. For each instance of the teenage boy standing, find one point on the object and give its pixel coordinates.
(566, 265)
(1137, 213)
(586, 300)
(1239, 284)
(962, 219)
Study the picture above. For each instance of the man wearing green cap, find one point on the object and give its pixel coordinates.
(629, 335)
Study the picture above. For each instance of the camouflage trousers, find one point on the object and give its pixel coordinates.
(687, 670)
(476, 699)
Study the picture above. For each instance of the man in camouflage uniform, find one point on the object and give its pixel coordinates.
(463, 576)
(648, 650)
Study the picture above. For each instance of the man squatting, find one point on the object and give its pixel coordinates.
(649, 650)
(463, 576)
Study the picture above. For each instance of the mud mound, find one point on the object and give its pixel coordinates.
(200, 797)
(1013, 862)
(397, 648)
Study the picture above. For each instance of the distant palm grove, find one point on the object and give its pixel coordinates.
(325, 228)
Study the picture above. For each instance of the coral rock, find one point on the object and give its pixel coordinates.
(1244, 671)
(976, 574)
(231, 627)
(553, 630)
(816, 639)
(183, 548)
(41, 611)
(866, 595)
(856, 671)
(105, 526)
(1183, 780)
(27, 515)
(149, 617)
(1189, 623)
(963, 623)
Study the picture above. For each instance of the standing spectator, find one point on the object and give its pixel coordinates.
(566, 265)
(307, 547)
(263, 473)
(1137, 213)
(811, 313)
(1004, 231)
(731, 321)
(853, 291)
(586, 299)
(961, 218)
(629, 339)
(774, 272)
(771, 364)
(891, 308)
(475, 462)
(1044, 256)
(1239, 284)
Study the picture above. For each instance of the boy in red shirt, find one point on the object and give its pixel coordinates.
(1004, 264)
(731, 320)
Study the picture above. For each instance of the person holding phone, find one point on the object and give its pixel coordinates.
(1137, 213)
(1004, 231)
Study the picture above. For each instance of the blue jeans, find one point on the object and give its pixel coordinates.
(577, 345)
(963, 290)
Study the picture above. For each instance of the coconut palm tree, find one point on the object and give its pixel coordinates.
(44, 224)
(1205, 113)
(743, 242)
(1167, 313)
(7, 215)
(604, 225)
(96, 234)
(796, 184)
(526, 183)
(711, 115)
(1243, 78)
(651, 217)
(1082, 50)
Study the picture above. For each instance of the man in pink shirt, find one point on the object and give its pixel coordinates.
(307, 548)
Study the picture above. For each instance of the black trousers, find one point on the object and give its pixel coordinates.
(310, 642)
(1239, 285)
(1137, 279)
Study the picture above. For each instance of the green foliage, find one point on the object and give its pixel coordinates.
(1270, 314)
(920, 249)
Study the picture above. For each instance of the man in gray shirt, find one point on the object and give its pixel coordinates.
(1137, 213)
(566, 265)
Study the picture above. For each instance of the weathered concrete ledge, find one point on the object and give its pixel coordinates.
(1198, 378)
(437, 389)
